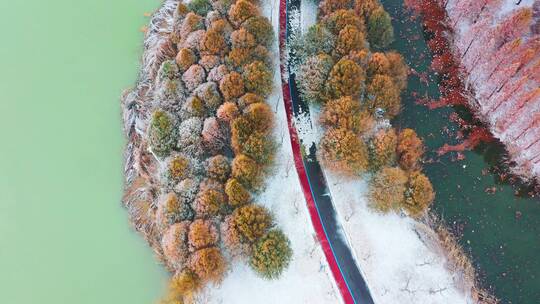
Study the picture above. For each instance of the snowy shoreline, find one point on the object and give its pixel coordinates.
(503, 78)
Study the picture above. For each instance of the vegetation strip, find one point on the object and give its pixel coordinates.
(199, 103)
(302, 172)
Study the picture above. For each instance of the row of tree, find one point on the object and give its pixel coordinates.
(359, 92)
(212, 132)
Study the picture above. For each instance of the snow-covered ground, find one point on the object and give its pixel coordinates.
(398, 265)
(308, 278)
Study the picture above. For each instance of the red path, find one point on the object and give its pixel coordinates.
(299, 164)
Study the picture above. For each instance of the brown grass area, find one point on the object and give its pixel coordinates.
(435, 234)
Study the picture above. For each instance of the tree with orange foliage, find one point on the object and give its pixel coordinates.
(346, 79)
(410, 149)
(260, 147)
(350, 39)
(382, 149)
(185, 58)
(174, 245)
(398, 69)
(378, 64)
(208, 264)
(248, 99)
(342, 113)
(218, 168)
(247, 171)
(258, 117)
(242, 39)
(192, 22)
(241, 129)
(261, 116)
(202, 233)
(178, 168)
(227, 112)
(383, 93)
(387, 189)
(232, 86)
(250, 222)
(213, 43)
(241, 11)
(258, 78)
(237, 194)
(238, 58)
(183, 285)
(208, 203)
(420, 194)
(344, 152)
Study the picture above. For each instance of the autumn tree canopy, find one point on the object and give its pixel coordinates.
(271, 254)
(387, 189)
(343, 151)
(346, 79)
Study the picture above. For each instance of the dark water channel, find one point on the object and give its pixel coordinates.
(500, 230)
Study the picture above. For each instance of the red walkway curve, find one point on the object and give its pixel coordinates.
(299, 164)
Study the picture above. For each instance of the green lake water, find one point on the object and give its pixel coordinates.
(64, 237)
(500, 231)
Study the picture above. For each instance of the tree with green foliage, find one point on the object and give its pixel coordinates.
(379, 28)
(258, 78)
(162, 133)
(317, 40)
(171, 209)
(339, 19)
(200, 7)
(271, 254)
(261, 29)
